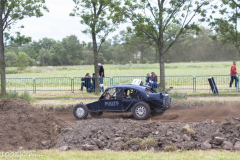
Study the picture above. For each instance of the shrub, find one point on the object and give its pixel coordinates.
(170, 148)
(143, 61)
(14, 94)
(22, 61)
(148, 143)
(134, 61)
(25, 96)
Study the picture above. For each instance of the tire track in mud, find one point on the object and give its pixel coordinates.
(216, 113)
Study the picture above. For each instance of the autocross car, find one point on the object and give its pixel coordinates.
(140, 100)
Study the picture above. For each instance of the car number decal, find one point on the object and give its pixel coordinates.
(112, 103)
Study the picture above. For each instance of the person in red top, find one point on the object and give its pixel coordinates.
(233, 74)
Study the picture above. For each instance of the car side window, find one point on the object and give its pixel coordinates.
(132, 94)
(113, 93)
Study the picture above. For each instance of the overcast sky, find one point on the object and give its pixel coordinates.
(55, 24)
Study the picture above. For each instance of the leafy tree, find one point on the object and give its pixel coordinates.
(10, 58)
(101, 17)
(45, 57)
(22, 61)
(151, 20)
(12, 11)
(72, 48)
(227, 25)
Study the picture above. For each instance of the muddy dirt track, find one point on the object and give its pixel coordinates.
(218, 114)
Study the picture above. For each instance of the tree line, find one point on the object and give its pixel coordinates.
(120, 49)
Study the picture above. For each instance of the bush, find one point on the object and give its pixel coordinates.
(143, 61)
(111, 62)
(25, 96)
(134, 61)
(14, 94)
(22, 61)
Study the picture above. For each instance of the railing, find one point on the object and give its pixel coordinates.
(222, 82)
(19, 84)
(53, 84)
(179, 82)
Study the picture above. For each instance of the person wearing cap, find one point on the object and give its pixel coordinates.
(101, 73)
(233, 74)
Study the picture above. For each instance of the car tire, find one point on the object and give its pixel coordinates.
(80, 111)
(141, 111)
(95, 114)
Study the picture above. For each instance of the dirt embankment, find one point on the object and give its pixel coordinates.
(23, 126)
(119, 134)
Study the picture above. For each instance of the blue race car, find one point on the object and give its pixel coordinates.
(140, 100)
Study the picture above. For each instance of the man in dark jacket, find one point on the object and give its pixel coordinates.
(233, 74)
(101, 73)
(93, 81)
(148, 79)
(86, 81)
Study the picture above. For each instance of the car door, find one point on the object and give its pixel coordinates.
(112, 100)
(127, 100)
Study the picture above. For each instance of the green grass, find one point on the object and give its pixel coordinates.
(196, 68)
(148, 155)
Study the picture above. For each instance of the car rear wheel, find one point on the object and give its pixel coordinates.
(96, 114)
(80, 111)
(141, 111)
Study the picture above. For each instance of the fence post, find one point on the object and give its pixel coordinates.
(238, 82)
(34, 86)
(72, 85)
(195, 79)
(193, 83)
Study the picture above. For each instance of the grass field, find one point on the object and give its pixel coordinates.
(147, 155)
(176, 76)
(194, 69)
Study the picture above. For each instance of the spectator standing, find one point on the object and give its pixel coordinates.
(86, 81)
(154, 80)
(233, 74)
(148, 79)
(93, 81)
(101, 73)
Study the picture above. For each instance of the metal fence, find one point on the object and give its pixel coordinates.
(53, 84)
(179, 82)
(222, 82)
(19, 84)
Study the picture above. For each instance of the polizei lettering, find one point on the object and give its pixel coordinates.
(112, 103)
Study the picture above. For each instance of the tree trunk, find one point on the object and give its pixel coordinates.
(238, 51)
(95, 63)
(2, 57)
(162, 70)
(155, 61)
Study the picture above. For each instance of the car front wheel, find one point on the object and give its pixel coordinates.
(141, 111)
(80, 111)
